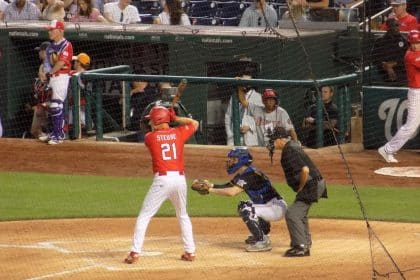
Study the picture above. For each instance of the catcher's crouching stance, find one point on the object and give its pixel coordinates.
(266, 204)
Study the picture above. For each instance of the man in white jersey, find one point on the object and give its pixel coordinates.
(408, 130)
(268, 116)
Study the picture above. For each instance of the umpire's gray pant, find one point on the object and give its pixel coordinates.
(297, 220)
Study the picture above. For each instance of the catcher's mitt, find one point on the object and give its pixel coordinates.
(201, 186)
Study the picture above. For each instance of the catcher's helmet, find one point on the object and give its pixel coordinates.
(413, 36)
(159, 115)
(270, 93)
(243, 156)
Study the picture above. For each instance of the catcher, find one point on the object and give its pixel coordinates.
(265, 204)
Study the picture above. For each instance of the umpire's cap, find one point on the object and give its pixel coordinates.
(43, 46)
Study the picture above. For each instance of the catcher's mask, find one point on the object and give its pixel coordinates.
(237, 157)
(158, 115)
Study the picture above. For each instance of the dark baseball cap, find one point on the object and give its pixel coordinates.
(43, 46)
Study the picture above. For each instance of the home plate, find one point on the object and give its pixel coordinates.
(408, 171)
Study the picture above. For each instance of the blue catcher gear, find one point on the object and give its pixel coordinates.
(243, 158)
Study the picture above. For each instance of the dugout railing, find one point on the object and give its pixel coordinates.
(342, 84)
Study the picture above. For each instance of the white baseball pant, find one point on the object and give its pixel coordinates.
(410, 127)
(172, 186)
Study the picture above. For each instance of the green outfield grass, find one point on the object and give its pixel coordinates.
(44, 196)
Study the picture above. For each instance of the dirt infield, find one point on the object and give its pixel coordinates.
(94, 248)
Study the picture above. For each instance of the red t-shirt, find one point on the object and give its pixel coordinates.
(412, 65)
(407, 23)
(166, 147)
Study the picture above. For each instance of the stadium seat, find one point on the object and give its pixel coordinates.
(229, 13)
(146, 18)
(202, 21)
(201, 9)
(229, 9)
(148, 7)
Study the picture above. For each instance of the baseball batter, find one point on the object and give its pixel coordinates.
(412, 65)
(265, 204)
(57, 67)
(166, 146)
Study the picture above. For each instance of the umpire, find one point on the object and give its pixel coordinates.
(306, 180)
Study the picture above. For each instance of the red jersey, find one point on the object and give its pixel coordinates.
(64, 51)
(412, 65)
(407, 23)
(166, 147)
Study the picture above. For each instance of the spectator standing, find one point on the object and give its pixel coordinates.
(388, 55)
(166, 147)
(21, 10)
(412, 64)
(259, 14)
(330, 112)
(121, 12)
(53, 9)
(3, 5)
(173, 14)
(57, 67)
(247, 124)
(87, 13)
(268, 116)
(42, 95)
(406, 21)
(305, 179)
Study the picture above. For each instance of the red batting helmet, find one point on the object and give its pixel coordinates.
(270, 93)
(413, 36)
(159, 115)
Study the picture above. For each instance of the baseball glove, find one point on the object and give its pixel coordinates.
(201, 186)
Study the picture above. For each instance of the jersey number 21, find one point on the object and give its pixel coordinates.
(168, 151)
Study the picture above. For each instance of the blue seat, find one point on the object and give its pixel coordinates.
(229, 13)
(146, 18)
(229, 21)
(199, 9)
(148, 7)
(229, 9)
(202, 21)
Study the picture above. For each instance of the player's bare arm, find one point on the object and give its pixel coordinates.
(230, 190)
(241, 96)
(184, 121)
(293, 134)
(303, 177)
(57, 66)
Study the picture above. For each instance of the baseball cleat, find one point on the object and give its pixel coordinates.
(133, 257)
(189, 257)
(297, 251)
(44, 137)
(260, 246)
(387, 157)
(250, 240)
(54, 141)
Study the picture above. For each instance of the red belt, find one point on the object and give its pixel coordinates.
(164, 173)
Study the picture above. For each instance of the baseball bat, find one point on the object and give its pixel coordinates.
(180, 89)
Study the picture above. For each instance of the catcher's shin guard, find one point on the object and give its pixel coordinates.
(264, 226)
(57, 118)
(247, 212)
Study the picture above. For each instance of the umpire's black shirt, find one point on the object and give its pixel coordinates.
(293, 159)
